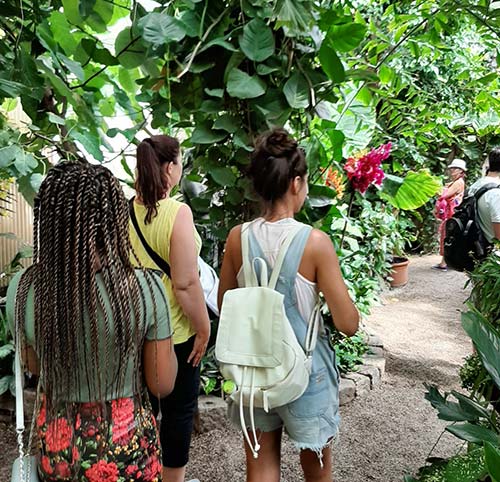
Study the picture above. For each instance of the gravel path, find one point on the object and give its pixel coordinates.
(390, 431)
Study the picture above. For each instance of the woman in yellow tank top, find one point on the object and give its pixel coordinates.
(167, 226)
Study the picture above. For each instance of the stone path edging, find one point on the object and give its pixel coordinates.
(369, 374)
(212, 410)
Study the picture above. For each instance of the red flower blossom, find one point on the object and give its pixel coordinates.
(102, 471)
(90, 431)
(75, 454)
(122, 413)
(364, 170)
(62, 470)
(78, 421)
(152, 469)
(45, 462)
(58, 436)
(131, 470)
(41, 419)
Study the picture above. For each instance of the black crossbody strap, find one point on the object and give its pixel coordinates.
(160, 262)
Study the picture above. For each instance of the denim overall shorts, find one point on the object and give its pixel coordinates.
(312, 421)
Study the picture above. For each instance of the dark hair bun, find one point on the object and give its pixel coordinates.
(275, 161)
(279, 143)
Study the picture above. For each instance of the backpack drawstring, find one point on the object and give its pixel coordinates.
(252, 418)
(254, 448)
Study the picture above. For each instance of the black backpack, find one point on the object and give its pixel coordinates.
(464, 242)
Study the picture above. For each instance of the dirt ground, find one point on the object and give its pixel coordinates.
(390, 431)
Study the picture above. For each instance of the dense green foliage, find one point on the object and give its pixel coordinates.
(475, 416)
(95, 76)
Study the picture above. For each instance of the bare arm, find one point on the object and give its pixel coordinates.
(329, 278)
(455, 188)
(160, 366)
(186, 280)
(230, 265)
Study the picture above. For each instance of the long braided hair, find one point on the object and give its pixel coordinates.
(81, 236)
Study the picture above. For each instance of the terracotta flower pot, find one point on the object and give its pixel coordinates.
(399, 272)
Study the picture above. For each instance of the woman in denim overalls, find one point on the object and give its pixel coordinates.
(279, 174)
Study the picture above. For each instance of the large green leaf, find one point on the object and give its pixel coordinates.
(90, 142)
(9, 88)
(355, 116)
(223, 176)
(473, 433)
(469, 467)
(296, 91)
(345, 37)
(293, 15)
(204, 135)
(8, 154)
(243, 86)
(486, 339)
(416, 189)
(135, 51)
(492, 456)
(25, 163)
(161, 28)
(447, 409)
(331, 63)
(257, 41)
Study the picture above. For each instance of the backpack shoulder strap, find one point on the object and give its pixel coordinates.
(282, 254)
(158, 260)
(248, 271)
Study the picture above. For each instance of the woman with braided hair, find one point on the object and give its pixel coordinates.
(96, 329)
(165, 229)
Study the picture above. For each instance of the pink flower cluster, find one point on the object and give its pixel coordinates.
(364, 169)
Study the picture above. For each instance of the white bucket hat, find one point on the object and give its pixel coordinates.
(459, 164)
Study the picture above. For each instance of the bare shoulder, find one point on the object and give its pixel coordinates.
(184, 212)
(319, 240)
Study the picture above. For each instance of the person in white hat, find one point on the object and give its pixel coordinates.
(450, 198)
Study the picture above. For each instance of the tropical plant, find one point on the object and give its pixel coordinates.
(7, 381)
(475, 416)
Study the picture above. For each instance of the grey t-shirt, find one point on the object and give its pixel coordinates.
(488, 205)
(153, 298)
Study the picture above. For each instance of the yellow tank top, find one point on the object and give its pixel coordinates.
(158, 234)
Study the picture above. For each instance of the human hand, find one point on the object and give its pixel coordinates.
(199, 348)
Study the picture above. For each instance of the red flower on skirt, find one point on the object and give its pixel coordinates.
(58, 436)
(102, 472)
(62, 470)
(131, 470)
(122, 413)
(152, 469)
(41, 419)
(46, 467)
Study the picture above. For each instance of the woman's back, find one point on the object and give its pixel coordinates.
(112, 360)
(158, 234)
(271, 236)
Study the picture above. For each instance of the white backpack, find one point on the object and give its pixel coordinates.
(256, 346)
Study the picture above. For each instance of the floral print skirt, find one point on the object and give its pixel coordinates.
(116, 441)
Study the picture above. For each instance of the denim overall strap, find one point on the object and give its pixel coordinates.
(288, 273)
